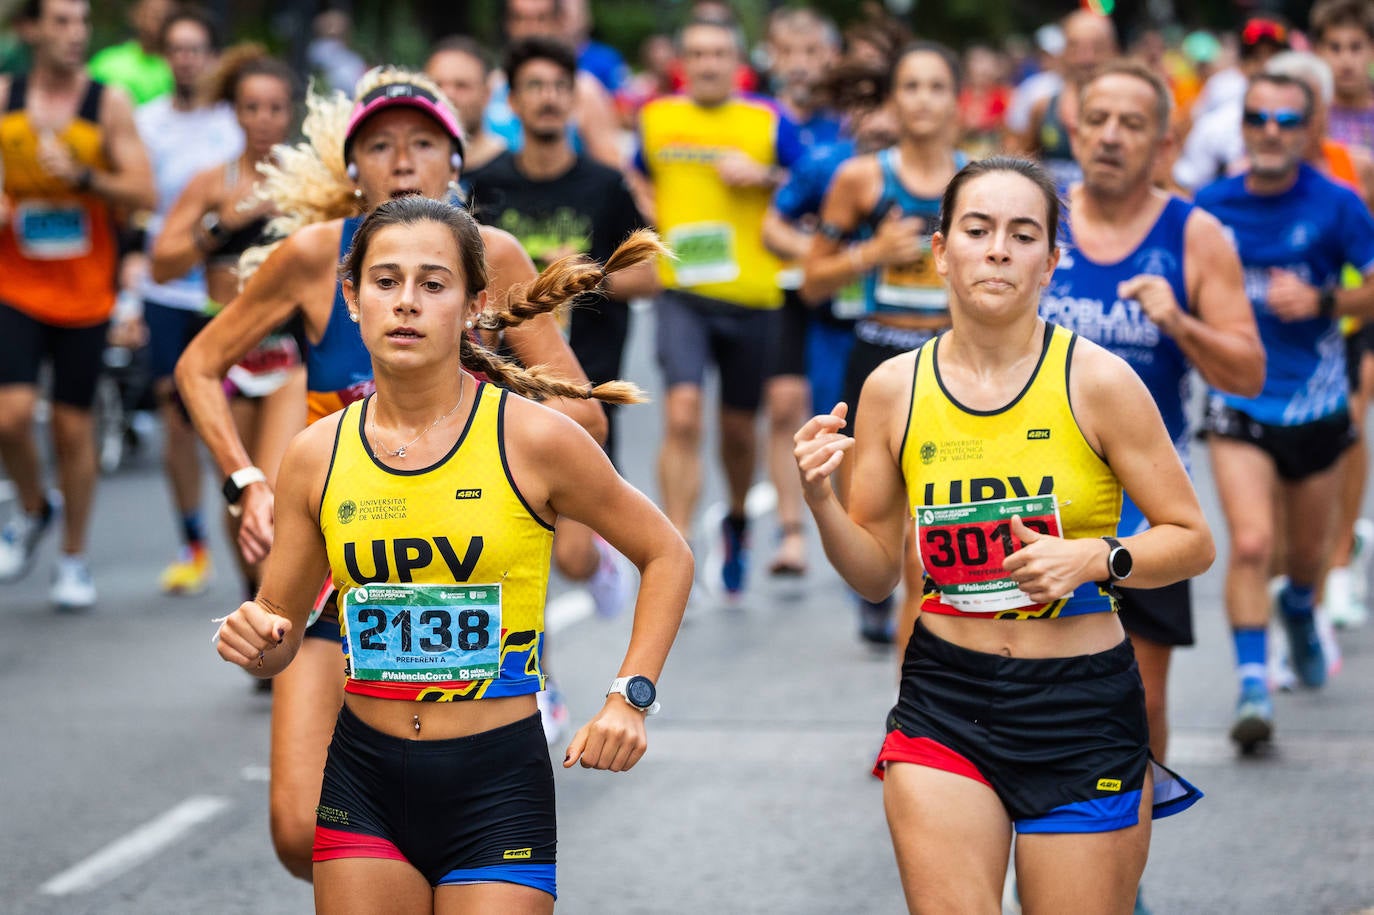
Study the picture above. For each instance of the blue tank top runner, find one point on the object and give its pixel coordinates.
(895, 196)
(1082, 297)
(1312, 229)
(339, 360)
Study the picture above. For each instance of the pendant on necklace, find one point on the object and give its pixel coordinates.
(401, 451)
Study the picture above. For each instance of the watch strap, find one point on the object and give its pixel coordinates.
(621, 685)
(240, 480)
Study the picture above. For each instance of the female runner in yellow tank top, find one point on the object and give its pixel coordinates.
(1020, 711)
(432, 504)
(396, 152)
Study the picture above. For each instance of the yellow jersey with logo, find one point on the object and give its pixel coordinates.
(715, 231)
(57, 250)
(968, 471)
(442, 572)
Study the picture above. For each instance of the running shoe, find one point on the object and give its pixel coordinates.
(1305, 649)
(190, 573)
(72, 586)
(553, 712)
(1360, 555)
(735, 565)
(875, 621)
(609, 585)
(1339, 600)
(1140, 907)
(1254, 722)
(19, 539)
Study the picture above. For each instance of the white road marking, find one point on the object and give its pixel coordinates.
(126, 853)
(255, 774)
(567, 609)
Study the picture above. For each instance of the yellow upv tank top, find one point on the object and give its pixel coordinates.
(968, 471)
(460, 522)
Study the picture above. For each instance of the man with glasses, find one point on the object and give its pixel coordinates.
(1275, 457)
(1213, 146)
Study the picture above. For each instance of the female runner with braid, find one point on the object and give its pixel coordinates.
(399, 138)
(438, 790)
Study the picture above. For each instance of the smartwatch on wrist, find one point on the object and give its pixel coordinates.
(1118, 561)
(237, 482)
(638, 691)
(213, 231)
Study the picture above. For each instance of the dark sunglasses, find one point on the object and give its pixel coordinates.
(1285, 118)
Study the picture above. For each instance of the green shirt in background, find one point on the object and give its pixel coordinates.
(143, 76)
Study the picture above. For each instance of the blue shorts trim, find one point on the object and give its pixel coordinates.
(1101, 814)
(539, 876)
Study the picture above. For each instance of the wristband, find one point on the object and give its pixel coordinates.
(1326, 304)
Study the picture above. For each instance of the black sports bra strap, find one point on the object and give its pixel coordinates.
(90, 103)
(19, 90)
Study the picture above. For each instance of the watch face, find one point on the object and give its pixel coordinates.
(640, 691)
(1121, 562)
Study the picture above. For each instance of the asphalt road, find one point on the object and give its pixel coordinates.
(135, 761)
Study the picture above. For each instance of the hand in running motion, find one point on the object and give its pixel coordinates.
(1047, 568)
(820, 446)
(1289, 298)
(248, 635)
(898, 239)
(1156, 298)
(613, 740)
(255, 524)
(739, 169)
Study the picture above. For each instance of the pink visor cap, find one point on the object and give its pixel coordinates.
(406, 95)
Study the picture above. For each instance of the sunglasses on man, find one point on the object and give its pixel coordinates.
(1284, 118)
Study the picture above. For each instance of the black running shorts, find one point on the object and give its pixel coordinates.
(76, 354)
(1063, 742)
(1298, 452)
(475, 809)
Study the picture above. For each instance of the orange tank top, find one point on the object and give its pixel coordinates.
(58, 247)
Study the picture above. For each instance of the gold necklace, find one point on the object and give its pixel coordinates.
(401, 451)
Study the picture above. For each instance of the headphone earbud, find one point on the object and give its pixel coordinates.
(352, 171)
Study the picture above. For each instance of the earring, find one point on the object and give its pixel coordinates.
(352, 316)
(352, 171)
(358, 193)
(456, 161)
(468, 323)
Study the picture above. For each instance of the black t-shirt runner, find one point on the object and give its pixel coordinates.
(586, 210)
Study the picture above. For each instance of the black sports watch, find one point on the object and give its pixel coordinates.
(213, 231)
(236, 483)
(1118, 561)
(640, 692)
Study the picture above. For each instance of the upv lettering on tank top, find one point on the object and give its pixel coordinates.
(49, 231)
(963, 548)
(705, 253)
(423, 633)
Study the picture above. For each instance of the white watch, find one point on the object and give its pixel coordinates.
(639, 692)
